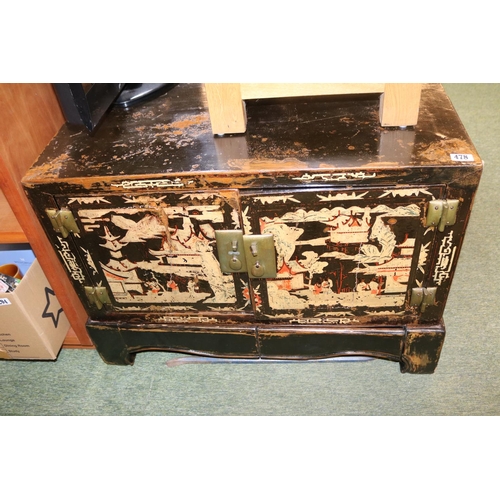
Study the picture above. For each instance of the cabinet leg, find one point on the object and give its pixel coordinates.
(110, 346)
(422, 348)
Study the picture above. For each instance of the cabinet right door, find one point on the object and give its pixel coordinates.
(344, 256)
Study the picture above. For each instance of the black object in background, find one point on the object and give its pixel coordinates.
(86, 104)
(135, 93)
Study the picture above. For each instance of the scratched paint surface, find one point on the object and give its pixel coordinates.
(300, 141)
(341, 254)
(159, 250)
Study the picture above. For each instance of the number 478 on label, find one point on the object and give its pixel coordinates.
(461, 157)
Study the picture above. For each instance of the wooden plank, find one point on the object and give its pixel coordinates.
(73, 342)
(29, 117)
(264, 90)
(10, 230)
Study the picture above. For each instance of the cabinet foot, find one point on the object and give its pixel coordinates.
(110, 345)
(422, 348)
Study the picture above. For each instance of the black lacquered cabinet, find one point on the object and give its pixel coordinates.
(316, 233)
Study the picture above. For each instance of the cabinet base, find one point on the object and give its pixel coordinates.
(416, 347)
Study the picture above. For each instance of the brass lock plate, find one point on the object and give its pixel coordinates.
(252, 254)
(260, 255)
(231, 252)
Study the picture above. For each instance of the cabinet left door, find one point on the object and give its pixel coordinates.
(154, 254)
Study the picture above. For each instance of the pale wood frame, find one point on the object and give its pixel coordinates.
(399, 102)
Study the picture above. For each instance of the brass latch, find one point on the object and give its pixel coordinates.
(441, 213)
(97, 296)
(423, 297)
(63, 221)
(253, 254)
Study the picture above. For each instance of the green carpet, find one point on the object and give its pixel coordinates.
(467, 380)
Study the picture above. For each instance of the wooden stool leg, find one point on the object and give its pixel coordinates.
(422, 348)
(226, 108)
(399, 104)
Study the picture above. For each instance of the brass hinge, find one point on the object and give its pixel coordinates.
(63, 221)
(423, 297)
(97, 296)
(441, 213)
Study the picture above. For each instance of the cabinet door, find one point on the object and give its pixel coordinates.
(343, 256)
(157, 253)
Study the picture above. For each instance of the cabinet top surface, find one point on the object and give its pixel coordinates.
(171, 137)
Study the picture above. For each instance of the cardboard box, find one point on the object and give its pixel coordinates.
(32, 322)
(16, 254)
